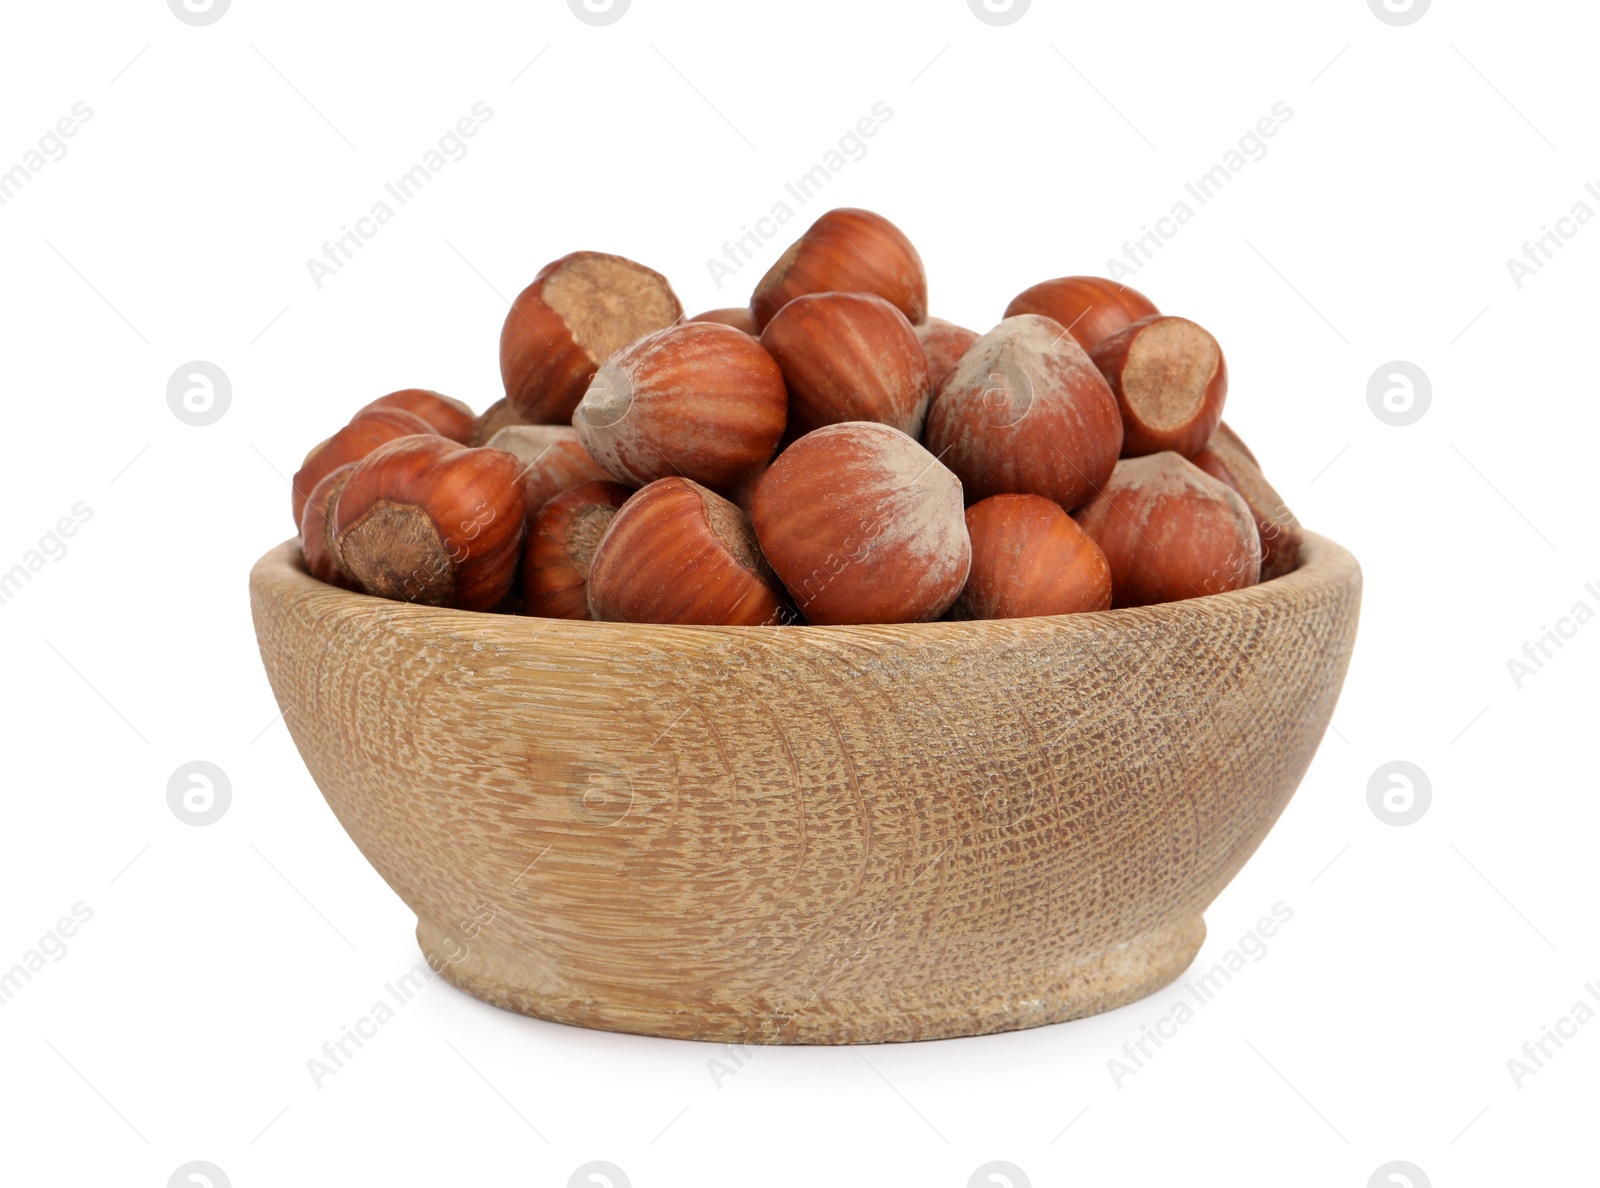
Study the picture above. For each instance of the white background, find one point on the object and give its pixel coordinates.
(218, 960)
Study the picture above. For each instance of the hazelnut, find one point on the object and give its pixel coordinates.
(1224, 434)
(700, 400)
(553, 460)
(1090, 307)
(679, 553)
(864, 526)
(578, 311)
(562, 538)
(1170, 531)
(848, 357)
(316, 540)
(1170, 381)
(496, 417)
(1030, 558)
(366, 431)
(1026, 412)
(1227, 458)
(426, 519)
(846, 251)
(737, 316)
(943, 344)
(448, 416)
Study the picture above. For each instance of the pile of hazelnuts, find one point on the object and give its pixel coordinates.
(830, 454)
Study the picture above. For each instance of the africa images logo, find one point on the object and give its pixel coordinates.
(999, 12)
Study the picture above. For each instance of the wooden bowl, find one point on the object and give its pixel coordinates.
(810, 835)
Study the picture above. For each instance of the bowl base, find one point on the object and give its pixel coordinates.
(1096, 982)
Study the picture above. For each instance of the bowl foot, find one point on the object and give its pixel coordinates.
(1086, 985)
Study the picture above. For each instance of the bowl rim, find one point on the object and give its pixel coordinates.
(1324, 566)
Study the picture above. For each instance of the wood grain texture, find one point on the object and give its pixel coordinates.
(810, 835)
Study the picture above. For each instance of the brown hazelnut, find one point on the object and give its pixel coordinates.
(366, 431)
(578, 311)
(1170, 531)
(1227, 458)
(553, 460)
(1232, 439)
(679, 553)
(737, 316)
(943, 344)
(316, 540)
(448, 416)
(562, 537)
(1030, 558)
(1170, 381)
(1090, 307)
(496, 417)
(426, 519)
(1026, 412)
(848, 357)
(700, 400)
(864, 526)
(846, 251)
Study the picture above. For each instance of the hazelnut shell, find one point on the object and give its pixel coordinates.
(448, 416)
(863, 525)
(846, 251)
(848, 357)
(1170, 531)
(700, 400)
(1090, 307)
(678, 552)
(426, 519)
(578, 311)
(1026, 412)
(367, 430)
(1030, 558)
(562, 538)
